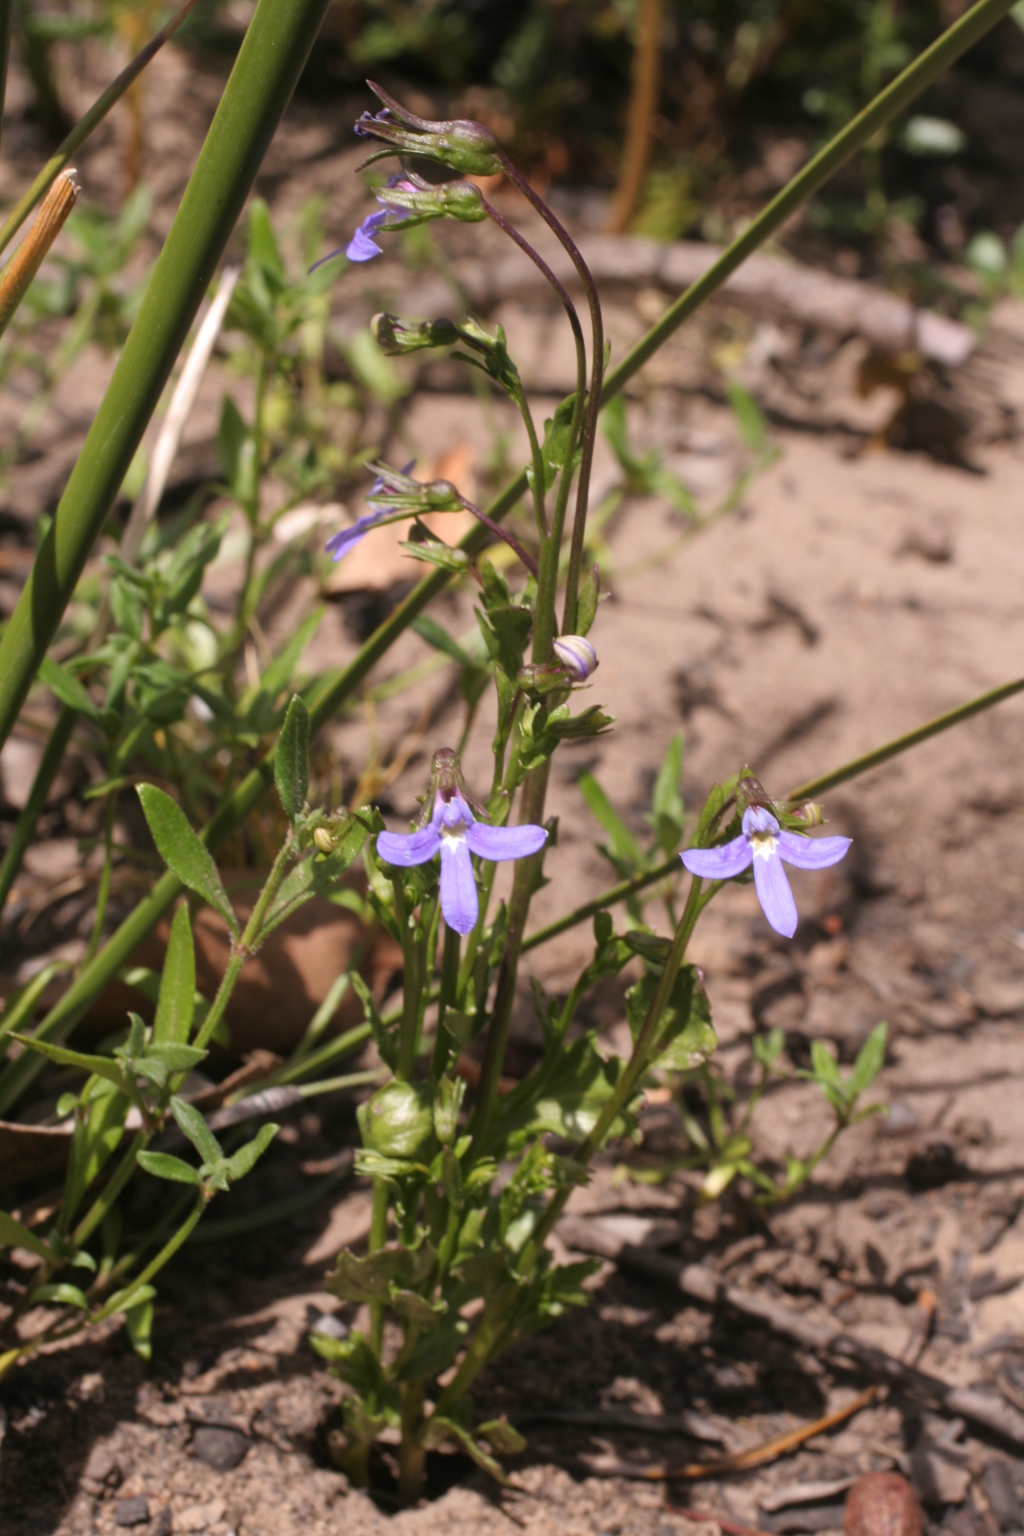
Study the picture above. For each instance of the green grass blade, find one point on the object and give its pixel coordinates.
(269, 62)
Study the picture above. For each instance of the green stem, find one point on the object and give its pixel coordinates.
(537, 460)
(49, 765)
(122, 1303)
(103, 890)
(449, 990)
(523, 885)
(934, 727)
(378, 1237)
(412, 1456)
(110, 1191)
(269, 61)
(615, 893)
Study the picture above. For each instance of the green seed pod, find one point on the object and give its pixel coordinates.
(450, 1092)
(398, 1122)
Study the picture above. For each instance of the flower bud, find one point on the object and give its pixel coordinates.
(811, 814)
(465, 147)
(398, 492)
(325, 840)
(576, 655)
(396, 336)
(417, 202)
(398, 1121)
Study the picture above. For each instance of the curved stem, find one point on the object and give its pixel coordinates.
(503, 534)
(594, 399)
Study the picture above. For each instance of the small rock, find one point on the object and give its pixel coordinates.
(163, 1522)
(199, 1517)
(882, 1504)
(101, 1472)
(221, 1449)
(132, 1511)
(998, 1487)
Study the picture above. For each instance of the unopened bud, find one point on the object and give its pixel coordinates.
(396, 336)
(398, 1121)
(421, 202)
(576, 655)
(462, 146)
(325, 840)
(811, 814)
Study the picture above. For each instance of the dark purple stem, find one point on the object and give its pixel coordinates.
(594, 401)
(502, 533)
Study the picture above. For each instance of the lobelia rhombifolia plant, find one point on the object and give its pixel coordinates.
(465, 1195)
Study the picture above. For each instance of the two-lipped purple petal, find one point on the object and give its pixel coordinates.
(460, 905)
(720, 863)
(774, 894)
(496, 843)
(408, 848)
(362, 246)
(811, 852)
(340, 543)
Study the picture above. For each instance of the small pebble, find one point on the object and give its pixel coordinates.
(132, 1511)
(998, 1487)
(221, 1449)
(882, 1504)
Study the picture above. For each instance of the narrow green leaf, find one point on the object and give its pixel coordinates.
(870, 1060)
(164, 1166)
(191, 1122)
(139, 1322)
(437, 636)
(63, 1294)
(182, 851)
(95, 1139)
(246, 1158)
(291, 760)
(67, 688)
(102, 1066)
(624, 844)
(176, 1002)
(14, 1235)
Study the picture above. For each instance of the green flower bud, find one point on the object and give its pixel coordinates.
(396, 336)
(398, 1122)
(465, 147)
(450, 1093)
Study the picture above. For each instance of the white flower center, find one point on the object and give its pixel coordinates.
(762, 844)
(453, 835)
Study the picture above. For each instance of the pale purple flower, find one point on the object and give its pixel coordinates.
(341, 542)
(362, 246)
(576, 655)
(763, 844)
(454, 832)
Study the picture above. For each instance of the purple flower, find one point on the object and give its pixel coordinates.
(763, 844)
(362, 246)
(340, 543)
(454, 832)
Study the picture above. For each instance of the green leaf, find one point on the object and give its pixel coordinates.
(63, 1294)
(102, 1066)
(291, 760)
(279, 673)
(183, 852)
(263, 245)
(192, 1125)
(385, 1038)
(176, 1001)
(67, 688)
(566, 1100)
(14, 1235)
(246, 1158)
(555, 445)
(436, 635)
(685, 1037)
(164, 1166)
(438, 1429)
(870, 1060)
(748, 416)
(623, 844)
(232, 436)
(139, 1322)
(95, 1139)
(667, 802)
(502, 1437)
